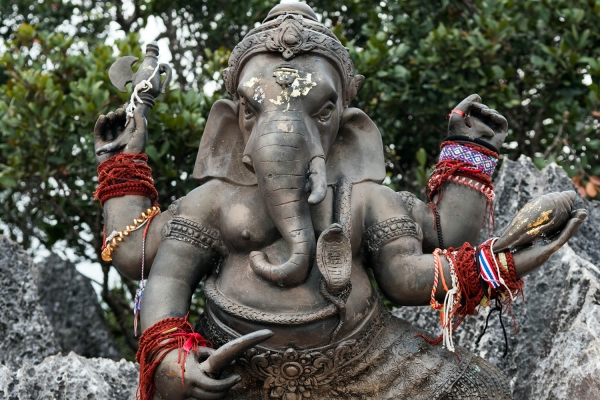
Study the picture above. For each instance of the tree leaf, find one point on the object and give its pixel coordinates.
(595, 180)
(591, 189)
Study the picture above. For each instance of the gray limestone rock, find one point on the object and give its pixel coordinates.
(556, 354)
(71, 377)
(72, 307)
(26, 334)
(570, 366)
(47, 308)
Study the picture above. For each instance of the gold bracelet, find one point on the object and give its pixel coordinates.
(120, 236)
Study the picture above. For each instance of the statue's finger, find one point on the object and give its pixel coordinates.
(480, 109)
(580, 214)
(499, 123)
(458, 123)
(571, 228)
(457, 126)
(483, 130)
(100, 128)
(490, 113)
(204, 352)
(121, 114)
(467, 102)
(112, 147)
(224, 355)
(107, 148)
(111, 116)
(500, 120)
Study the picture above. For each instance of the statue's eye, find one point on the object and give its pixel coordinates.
(248, 111)
(325, 113)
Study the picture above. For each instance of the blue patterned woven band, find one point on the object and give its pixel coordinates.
(458, 152)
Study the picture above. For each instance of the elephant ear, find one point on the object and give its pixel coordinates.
(357, 151)
(221, 147)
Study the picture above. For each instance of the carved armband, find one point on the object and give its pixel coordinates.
(188, 231)
(392, 228)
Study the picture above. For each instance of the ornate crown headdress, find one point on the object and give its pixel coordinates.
(293, 29)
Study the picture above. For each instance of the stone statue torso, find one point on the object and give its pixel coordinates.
(245, 227)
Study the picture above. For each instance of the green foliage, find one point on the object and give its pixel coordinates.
(46, 152)
(89, 17)
(527, 59)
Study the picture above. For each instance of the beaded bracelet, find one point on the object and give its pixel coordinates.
(118, 237)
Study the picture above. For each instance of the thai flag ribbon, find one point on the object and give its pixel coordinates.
(488, 273)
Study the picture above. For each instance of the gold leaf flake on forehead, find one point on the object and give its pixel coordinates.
(294, 83)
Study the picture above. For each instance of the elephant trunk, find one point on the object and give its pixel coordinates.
(290, 167)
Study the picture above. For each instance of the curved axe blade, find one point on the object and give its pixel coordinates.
(121, 73)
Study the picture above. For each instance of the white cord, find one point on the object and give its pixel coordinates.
(447, 329)
(143, 86)
(449, 308)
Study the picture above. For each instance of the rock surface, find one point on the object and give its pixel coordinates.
(45, 309)
(25, 331)
(72, 307)
(70, 377)
(556, 354)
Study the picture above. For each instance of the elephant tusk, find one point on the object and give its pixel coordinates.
(227, 353)
(247, 161)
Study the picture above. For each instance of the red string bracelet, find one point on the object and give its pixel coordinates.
(470, 288)
(464, 173)
(458, 112)
(125, 174)
(475, 292)
(158, 340)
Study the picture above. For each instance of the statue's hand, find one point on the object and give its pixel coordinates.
(114, 133)
(529, 258)
(540, 217)
(197, 383)
(479, 122)
(201, 370)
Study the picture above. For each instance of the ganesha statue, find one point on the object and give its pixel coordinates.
(290, 227)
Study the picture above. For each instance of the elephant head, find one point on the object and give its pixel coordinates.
(289, 129)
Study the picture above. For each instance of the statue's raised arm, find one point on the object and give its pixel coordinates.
(460, 194)
(126, 189)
